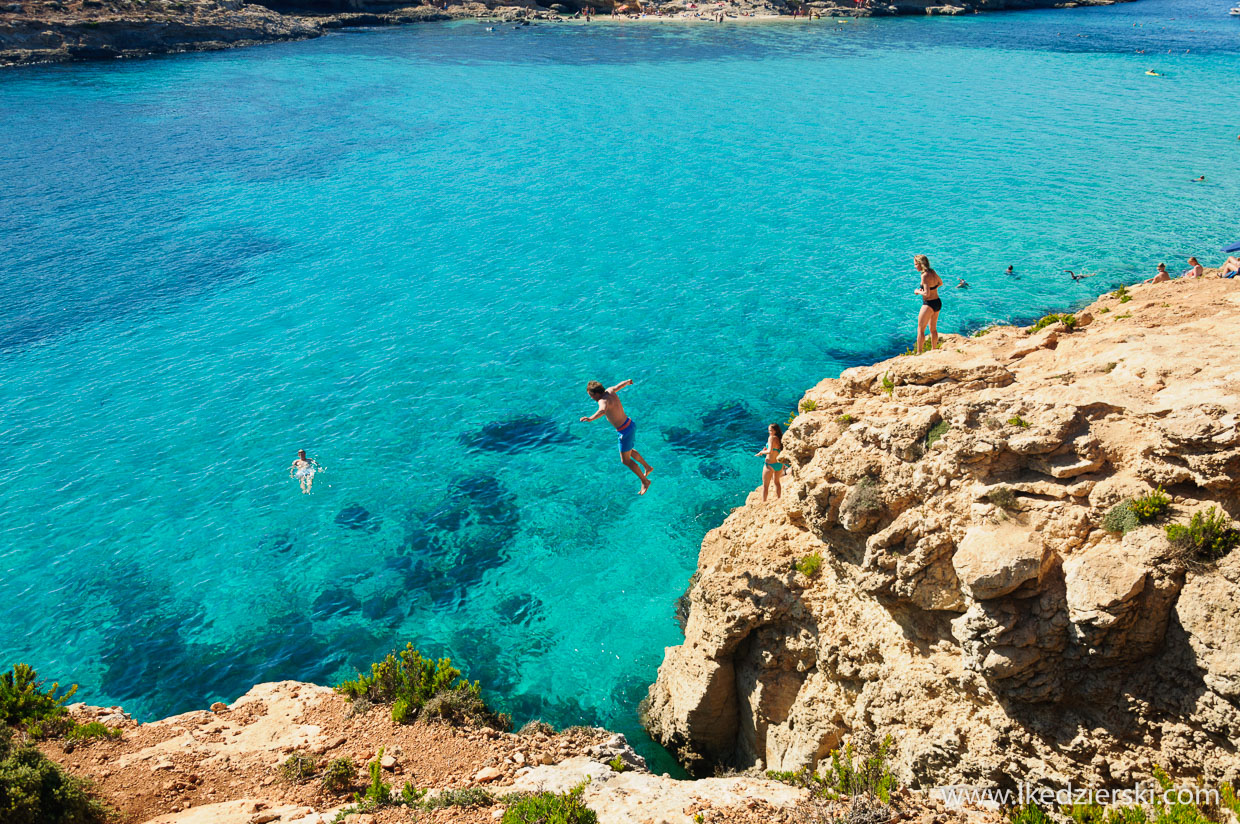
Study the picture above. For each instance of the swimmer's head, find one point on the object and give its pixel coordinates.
(301, 453)
(596, 390)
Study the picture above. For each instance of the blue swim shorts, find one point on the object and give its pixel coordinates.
(627, 435)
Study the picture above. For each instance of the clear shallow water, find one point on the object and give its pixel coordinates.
(376, 244)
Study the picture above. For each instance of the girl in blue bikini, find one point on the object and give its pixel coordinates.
(772, 469)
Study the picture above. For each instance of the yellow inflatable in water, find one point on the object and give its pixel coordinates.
(1153, 73)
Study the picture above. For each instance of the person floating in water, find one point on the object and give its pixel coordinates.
(1201, 179)
(963, 284)
(772, 468)
(1010, 272)
(303, 470)
(1076, 277)
(610, 406)
(931, 305)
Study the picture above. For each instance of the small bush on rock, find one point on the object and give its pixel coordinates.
(536, 728)
(408, 681)
(1151, 506)
(810, 565)
(1067, 320)
(1120, 518)
(93, 730)
(551, 808)
(26, 701)
(868, 779)
(936, 433)
(34, 790)
(298, 767)
(1002, 497)
(339, 775)
(617, 764)
(1030, 813)
(1018, 421)
(809, 405)
(1208, 536)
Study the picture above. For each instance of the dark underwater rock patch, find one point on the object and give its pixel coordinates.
(717, 470)
(335, 601)
(521, 434)
(356, 516)
(728, 425)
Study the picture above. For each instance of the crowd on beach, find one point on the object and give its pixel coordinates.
(303, 469)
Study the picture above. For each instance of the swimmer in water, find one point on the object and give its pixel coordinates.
(1010, 272)
(609, 405)
(303, 470)
(963, 284)
(1201, 179)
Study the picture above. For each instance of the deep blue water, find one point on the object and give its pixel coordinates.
(406, 250)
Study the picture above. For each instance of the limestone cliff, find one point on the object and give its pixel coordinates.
(970, 602)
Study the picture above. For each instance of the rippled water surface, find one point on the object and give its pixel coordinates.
(406, 250)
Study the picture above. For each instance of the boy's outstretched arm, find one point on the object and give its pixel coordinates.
(619, 386)
(596, 415)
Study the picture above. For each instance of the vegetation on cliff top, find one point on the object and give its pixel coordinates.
(1208, 535)
(34, 790)
(1159, 811)
(866, 780)
(412, 685)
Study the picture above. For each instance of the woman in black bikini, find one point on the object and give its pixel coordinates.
(930, 303)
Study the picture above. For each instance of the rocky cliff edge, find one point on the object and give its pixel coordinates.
(970, 602)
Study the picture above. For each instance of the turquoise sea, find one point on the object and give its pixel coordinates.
(406, 250)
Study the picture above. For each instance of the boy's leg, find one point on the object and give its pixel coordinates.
(627, 460)
(641, 460)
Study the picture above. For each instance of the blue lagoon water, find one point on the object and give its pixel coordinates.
(406, 250)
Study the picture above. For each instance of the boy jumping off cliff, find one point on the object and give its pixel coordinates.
(609, 405)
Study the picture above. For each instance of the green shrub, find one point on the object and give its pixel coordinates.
(551, 808)
(870, 777)
(1227, 796)
(889, 386)
(985, 330)
(1110, 367)
(809, 565)
(464, 706)
(34, 790)
(1030, 813)
(411, 796)
(1002, 497)
(91, 731)
(1208, 536)
(1104, 310)
(339, 775)
(808, 405)
(408, 681)
(542, 727)
(1017, 420)
(378, 792)
(463, 797)
(617, 764)
(845, 419)
(1124, 316)
(1151, 506)
(1122, 294)
(26, 701)
(298, 767)
(936, 433)
(1120, 518)
(1067, 320)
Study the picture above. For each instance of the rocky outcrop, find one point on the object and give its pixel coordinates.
(970, 603)
(46, 31)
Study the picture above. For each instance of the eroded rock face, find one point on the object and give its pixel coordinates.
(970, 603)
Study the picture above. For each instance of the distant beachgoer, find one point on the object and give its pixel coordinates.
(773, 468)
(303, 470)
(963, 284)
(1010, 272)
(1195, 269)
(1231, 268)
(931, 305)
(1201, 179)
(609, 405)
(1161, 276)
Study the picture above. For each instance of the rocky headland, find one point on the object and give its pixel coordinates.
(266, 758)
(985, 573)
(48, 31)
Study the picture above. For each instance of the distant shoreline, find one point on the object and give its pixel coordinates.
(34, 32)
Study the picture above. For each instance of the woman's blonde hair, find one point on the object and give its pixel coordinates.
(922, 260)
